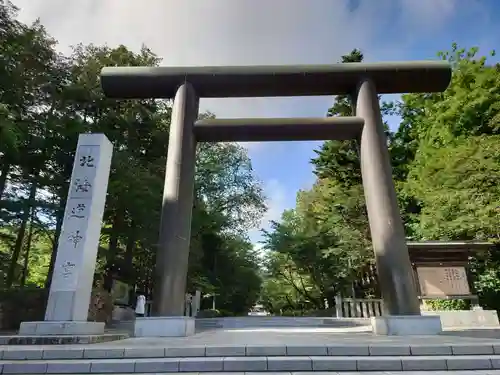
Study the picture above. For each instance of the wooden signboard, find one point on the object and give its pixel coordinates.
(443, 281)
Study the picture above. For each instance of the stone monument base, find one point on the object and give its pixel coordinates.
(406, 325)
(47, 328)
(164, 326)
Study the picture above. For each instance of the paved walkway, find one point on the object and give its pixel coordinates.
(293, 337)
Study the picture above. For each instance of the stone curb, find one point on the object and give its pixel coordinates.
(117, 352)
(254, 364)
(60, 340)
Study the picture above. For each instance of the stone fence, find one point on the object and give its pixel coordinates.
(358, 307)
(367, 308)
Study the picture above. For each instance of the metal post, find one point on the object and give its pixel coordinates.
(395, 273)
(175, 228)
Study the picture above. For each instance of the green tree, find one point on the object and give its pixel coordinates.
(46, 101)
(447, 146)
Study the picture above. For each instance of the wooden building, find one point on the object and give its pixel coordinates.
(441, 270)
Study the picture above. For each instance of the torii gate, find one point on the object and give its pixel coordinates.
(363, 81)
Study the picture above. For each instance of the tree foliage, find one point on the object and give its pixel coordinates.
(46, 100)
(446, 159)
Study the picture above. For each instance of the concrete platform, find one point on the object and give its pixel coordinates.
(288, 350)
(242, 322)
(406, 325)
(164, 326)
(46, 328)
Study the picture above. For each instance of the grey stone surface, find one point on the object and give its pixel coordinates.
(257, 350)
(379, 350)
(289, 363)
(423, 364)
(20, 354)
(59, 328)
(306, 350)
(225, 351)
(467, 349)
(97, 353)
(144, 352)
(159, 365)
(175, 224)
(406, 325)
(194, 351)
(379, 364)
(109, 365)
(468, 363)
(430, 350)
(258, 364)
(60, 339)
(349, 350)
(68, 367)
(245, 364)
(63, 353)
(495, 363)
(281, 337)
(467, 318)
(246, 351)
(70, 291)
(24, 368)
(333, 364)
(201, 364)
(395, 272)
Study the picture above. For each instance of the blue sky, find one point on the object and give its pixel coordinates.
(246, 32)
(290, 169)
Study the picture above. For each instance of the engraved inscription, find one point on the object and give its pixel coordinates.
(443, 281)
(87, 161)
(75, 238)
(82, 185)
(78, 211)
(67, 269)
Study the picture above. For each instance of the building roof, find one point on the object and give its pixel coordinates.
(445, 253)
(269, 81)
(449, 245)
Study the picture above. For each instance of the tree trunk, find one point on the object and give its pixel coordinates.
(11, 273)
(129, 251)
(111, 254)
(3, 177)
(55, 241)
(28, 247)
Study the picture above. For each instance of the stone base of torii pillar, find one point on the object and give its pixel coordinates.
(71, 287)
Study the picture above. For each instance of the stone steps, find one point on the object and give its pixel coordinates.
(278, 321)
(253, 364)
(115, 359)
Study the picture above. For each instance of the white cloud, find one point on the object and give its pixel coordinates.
(216, 32)
(241, 32)
(235, 32)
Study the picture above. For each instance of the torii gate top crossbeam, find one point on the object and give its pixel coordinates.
(266, 81)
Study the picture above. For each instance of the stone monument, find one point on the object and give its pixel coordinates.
(71, 287)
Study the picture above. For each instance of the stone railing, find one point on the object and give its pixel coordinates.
(358, 307)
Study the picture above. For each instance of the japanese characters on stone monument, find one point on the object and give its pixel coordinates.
(73, 275)
(77, 249)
